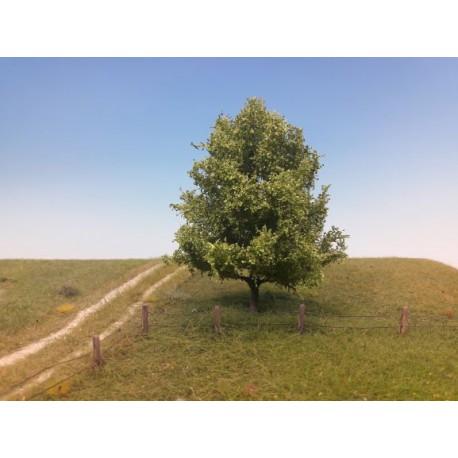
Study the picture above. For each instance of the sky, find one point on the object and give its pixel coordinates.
(93, 150)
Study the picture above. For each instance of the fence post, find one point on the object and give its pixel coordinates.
(301, 325)
(404, 321)
(145, 321)
(217, 319)
(96, 360)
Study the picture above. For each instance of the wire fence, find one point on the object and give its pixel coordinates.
(133, 328)
(310, 322)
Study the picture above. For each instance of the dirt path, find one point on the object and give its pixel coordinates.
(35, 347)
(43, 376)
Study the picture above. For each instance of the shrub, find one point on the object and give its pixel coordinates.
(68, 291)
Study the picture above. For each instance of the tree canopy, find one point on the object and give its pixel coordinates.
(254, 214)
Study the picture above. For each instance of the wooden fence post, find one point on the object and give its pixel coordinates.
(145, 321)
(404, 321)
(217, 319)
(301, 325)
(96, 360)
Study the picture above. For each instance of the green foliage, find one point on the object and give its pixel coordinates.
(254, 214)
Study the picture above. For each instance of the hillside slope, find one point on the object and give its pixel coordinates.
(358, 356)
(382, 284)
(38, 359)
(40, 296)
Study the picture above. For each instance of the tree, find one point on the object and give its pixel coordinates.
(254, 215)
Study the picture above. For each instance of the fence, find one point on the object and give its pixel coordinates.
(305, 321)
(402, 323)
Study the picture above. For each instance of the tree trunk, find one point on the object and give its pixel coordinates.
(254, 298)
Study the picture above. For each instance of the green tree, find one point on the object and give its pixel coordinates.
(254, 214)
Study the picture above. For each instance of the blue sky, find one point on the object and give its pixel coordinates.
(93, 151)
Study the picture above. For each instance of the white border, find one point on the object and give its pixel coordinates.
(244, 28)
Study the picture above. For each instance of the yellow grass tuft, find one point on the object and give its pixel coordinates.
(65, 308)
(60, 390)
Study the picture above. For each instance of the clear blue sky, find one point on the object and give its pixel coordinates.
(93, 151)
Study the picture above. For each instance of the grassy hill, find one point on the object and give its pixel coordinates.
(39, 296)
(357, 357)
(264, 358)
(38, 286)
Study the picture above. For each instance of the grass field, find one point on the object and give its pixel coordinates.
(264, 358)
(79, 338)
(36, 296)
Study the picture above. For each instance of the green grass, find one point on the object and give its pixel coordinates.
(182, 358)
(79, 339)
(30, 291)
